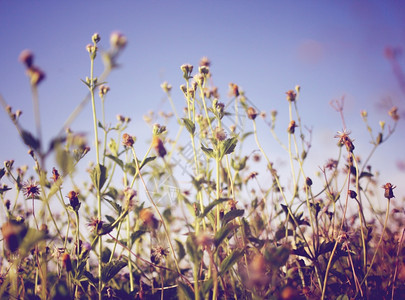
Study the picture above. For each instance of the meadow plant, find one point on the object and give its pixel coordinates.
(237, 225)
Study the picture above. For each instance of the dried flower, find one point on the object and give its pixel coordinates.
(204, 70)
(31, 189)
(127, 140)
(291, 95)
(388, 190)
(252, 113)
(157, 144)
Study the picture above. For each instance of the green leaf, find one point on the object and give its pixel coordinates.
(212, 205)
(181, 252)
(277, 256)
(64, 160)
(208, 151)
(230, 215)
(342, 297)
(184, 291)
(147, 160)
(30, 140)
(99, 176)
(111, 269)
(87, 275)
(365, 174)
(230, 260)
(228, 146)
(32, 237)
(116, 160)
(223, 233)
(100, 125)
(190, 126)
(192, 249)
(136, 235)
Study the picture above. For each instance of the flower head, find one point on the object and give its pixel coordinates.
(127, 140)
(344, 139)
(388, 187)
(291, 95)
(31, 189)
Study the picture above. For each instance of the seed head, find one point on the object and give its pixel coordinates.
(127, 140)
(204, 70)
(388, 187)
(157, 254)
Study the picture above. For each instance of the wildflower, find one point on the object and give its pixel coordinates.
(96, 225)
(44, 228)
(199, 79)
(345, 140)
(118, 40)
(204, 70)
(232, 204)
(393, 113)
(187, 70)
(389, 190)
(220, 134)
(148, 218)
(331, 164)
(74, 200)
(31, 189)
(127, 140)
(66, 262)
(13, 233)
(27, 58)
(291, 127)
(103, 89)
(291, 95)
(166, 87)
(252, 113)
(157, 144)
(205, 62)
(55, 175)
(184, 89)
(234, 89)
(36, 75)
(157, 254)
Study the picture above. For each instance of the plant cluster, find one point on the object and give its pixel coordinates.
(217, 231)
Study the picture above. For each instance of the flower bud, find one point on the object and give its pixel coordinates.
(95, 38)
(252, 113)
(66, 262)
(127, 140)
(166, 87)
(291, 127)
(118, 40)
(157, 144)
(291, 95)
(27, 58)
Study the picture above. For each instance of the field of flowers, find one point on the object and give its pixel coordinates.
(189, 219)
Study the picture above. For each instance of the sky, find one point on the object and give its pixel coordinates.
(332, 49)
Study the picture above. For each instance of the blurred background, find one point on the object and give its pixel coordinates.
(333, 50)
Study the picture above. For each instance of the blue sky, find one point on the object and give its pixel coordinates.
(330, 48)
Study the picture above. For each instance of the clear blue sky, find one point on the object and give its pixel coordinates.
(330, 48)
